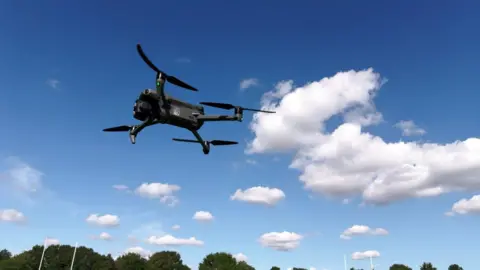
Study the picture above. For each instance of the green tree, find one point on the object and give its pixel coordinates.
(275, 268)
(131, 261)
(427, 266)
(218, 261)
(166, 260)
(296, 268)
(399, 267)
(5, 254)
(455, 267)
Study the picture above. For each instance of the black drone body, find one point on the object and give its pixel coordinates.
(155, 107)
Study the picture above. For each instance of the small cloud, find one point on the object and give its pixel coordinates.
(161, 191)
(240, 257)
(203, 216)
(259, 195)
(120, 187)
(176, 227)
(138, 250)
(12, 215)
(365, 255)
(357, 230)
(103, 236)
(466, 206)
(248, 83)
(169, 240)
(251, 162)
(53, 83)
(409, 128)
(51, 242)
(281, 241)
(183, 60)
(103, 221)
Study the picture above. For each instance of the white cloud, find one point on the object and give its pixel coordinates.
(176, 227)
(203, 216)
(20, 180)
(365, 255)
(251, 161)
(104, 221)
(51, 242)
(247, 83)
(169, 240)
(409, 128)
(466, 206)
(138, 250)
(356, 230)
(348, 161)
(240, 257)
(164, 192)
(105, 236)
(282, 241)
(12, 215)
(120, 187)
(53, 83)
(259, 195)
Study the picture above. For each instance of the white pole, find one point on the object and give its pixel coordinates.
(371, 263)
(74, 252)
(345, 261)
(43, 253)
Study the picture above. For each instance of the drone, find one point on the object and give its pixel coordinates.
(156, 107)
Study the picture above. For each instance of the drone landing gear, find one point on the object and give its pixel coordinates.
(205, 144)
(132, 130)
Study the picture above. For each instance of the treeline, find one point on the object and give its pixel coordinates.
(58, 257)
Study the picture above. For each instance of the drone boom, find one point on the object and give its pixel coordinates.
(227, 106)
(171, 79)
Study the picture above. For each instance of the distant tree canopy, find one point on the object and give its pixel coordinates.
(59, 257)
(399, 267)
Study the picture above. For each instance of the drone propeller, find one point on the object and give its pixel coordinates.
(118, 129)
(170, 79)
(227, 106)
(213, 142)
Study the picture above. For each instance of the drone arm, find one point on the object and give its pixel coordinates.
(212, 118)
(205, 145)
(160, 86)
(137, 128)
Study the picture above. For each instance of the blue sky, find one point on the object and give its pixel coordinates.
(68, 70)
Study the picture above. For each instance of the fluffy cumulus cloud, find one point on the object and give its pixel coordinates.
(365, 254)
(466, 206)
(281, 241)
(259, 195)
(12, 215)
(409, 128)
(169, 240)
(247, 83)
(357, 230)
(103, 220)
(164, 192)
(348, 161)
(240, 257)
(105, 236)
(203, 216)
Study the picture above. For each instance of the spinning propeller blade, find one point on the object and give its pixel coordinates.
(118, 129)
(213, 142)
(227, 106)
(220, 142)
(170, 79)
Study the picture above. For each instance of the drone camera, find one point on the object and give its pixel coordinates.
(142, 110)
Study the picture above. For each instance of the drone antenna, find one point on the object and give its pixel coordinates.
(162, 75)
